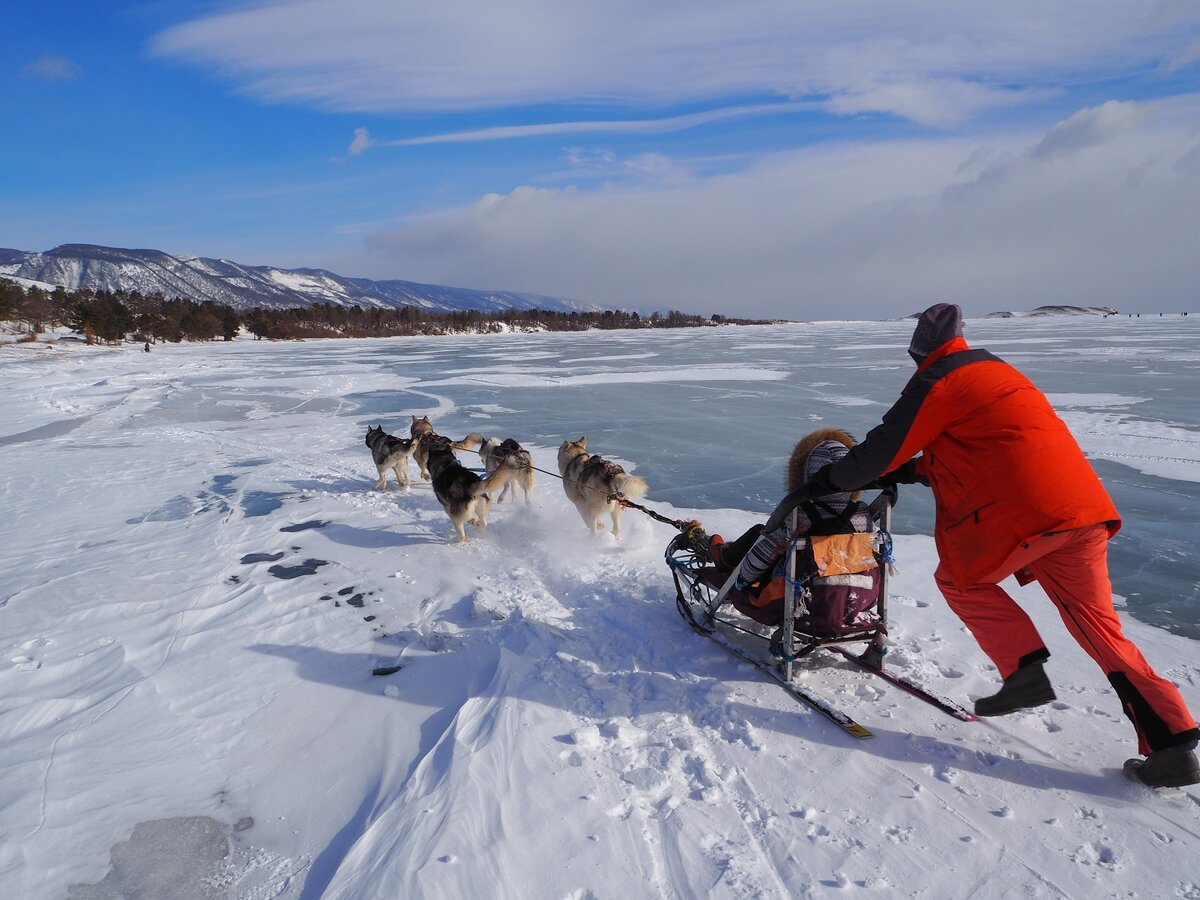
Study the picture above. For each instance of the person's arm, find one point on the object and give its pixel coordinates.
(892, 444)
(882, 450)
(907, 428)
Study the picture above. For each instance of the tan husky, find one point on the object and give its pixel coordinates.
(496, 453)
(590, 483)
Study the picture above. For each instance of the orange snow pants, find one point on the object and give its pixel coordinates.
(1072, 568)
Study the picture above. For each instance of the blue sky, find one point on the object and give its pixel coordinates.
(850, 158)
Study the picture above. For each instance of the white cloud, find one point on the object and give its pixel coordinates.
(870, 230)
(610, 126)
(936, 61)
(362, 141)
(940, 104)
(1090, 127)
(52, 67)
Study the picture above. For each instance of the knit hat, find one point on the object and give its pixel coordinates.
(940, 323)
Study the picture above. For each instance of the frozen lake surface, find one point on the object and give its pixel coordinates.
(709, 416)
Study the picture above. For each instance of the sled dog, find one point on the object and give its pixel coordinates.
(590, 482)
(495, 453)
(389, 452)
(463, 494)
(422, 432)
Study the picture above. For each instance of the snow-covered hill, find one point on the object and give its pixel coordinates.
(1053, 311)
(151, 271)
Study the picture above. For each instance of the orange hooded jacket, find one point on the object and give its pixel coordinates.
(1003, 466)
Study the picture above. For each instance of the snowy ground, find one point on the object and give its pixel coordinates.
(198, 582)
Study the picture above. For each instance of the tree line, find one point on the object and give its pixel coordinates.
(115, 316)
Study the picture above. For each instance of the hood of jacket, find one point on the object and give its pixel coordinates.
(815, 451)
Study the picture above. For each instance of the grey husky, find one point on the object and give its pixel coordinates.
(590, 483)
(423, 435)
(389, 452)
(496, 453)
(463, 494)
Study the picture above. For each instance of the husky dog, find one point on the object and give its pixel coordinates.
(423, 433)
(389, 452)
(496, 453)
(590, 482)
(463, 494)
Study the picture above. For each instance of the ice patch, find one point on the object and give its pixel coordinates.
(177, 858)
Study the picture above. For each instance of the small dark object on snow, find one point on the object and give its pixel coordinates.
(386, 670)
(1024, 688)
(261, 557)
(1169, 767)
(308, 567)
(305, 526)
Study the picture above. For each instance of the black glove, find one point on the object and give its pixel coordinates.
(907, 474)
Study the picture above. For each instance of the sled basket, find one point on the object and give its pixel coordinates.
(703, 594)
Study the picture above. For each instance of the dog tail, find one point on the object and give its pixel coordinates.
(504, 473)
(631, 485)
(470, 442)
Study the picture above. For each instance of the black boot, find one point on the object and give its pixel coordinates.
(1026, 687)
(1169, 767)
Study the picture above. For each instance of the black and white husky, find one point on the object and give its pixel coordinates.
(425, 437)
(590, 483)
(496, 453)
(389, 452)
(463, 494)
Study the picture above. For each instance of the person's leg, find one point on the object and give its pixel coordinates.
(1075, 577)
(726, 556)
(1001, 628)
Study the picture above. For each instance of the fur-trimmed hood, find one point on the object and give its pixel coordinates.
(804, 461)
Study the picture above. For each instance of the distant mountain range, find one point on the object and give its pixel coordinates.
(1054, 311)
(1040, 311)
(75, 266)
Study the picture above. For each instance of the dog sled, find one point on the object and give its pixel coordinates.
(818, 611)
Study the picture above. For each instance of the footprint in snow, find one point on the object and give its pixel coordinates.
(1095, 854)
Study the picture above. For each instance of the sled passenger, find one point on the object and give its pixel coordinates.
(1014, 495)
(758, 591)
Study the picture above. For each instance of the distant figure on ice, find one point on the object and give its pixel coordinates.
(147, 347)
(758, 592)
(1015, 496)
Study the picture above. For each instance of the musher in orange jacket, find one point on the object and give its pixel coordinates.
(1015, 495)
